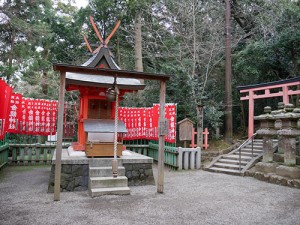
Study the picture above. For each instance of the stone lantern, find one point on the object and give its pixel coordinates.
(289, 125)
(280, 110)
(267, 131)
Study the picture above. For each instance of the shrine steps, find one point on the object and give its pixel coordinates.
(230, 163)
(101, 181)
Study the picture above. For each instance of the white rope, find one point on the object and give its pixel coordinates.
(116, 123)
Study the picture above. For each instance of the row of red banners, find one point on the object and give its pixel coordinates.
(24, 115)
(142, 123)
(21, 115)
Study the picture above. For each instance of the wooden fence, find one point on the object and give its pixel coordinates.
(31, 154)
(4, 150)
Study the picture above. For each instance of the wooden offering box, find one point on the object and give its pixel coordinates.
(100, 137)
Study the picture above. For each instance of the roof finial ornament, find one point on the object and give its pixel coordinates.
(103, 42)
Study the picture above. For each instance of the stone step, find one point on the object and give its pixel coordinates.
(250, 150)
(102, 162)
(247, 154)
(231, 161)
(254, 147)
(107, 182)
(94, 192)
(236, 157)
(226, 165)
(222, 170)
(105, 171)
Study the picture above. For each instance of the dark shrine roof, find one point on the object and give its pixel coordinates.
(104, 57)
(91, 75)
(102, 81)
(251, 86)
(104, 53)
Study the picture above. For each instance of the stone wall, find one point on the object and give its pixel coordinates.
(139, 174)
(74, 177)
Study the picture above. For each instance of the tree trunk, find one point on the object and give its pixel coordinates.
(138, 43)
(228, 78)
(11, 55)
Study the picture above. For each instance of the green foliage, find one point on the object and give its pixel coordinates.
(266, 47)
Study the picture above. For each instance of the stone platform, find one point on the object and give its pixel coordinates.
(276, 173)
(75, 170)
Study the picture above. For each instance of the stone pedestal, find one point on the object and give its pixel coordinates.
(288, 132)
(267, 131)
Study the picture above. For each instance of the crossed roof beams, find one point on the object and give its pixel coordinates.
(103, 42)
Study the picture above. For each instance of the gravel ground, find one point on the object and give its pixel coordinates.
(191, 197)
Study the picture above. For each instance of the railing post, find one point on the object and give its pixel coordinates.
(198, 158)
(252, 145)
(192, 160)
(186, 160)
(240, 157)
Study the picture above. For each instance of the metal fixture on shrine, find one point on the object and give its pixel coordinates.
(288, 130)
(268, 132)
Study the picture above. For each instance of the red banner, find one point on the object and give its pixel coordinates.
(3, 115)
(24, 115)
(15, 113)
(142, 123)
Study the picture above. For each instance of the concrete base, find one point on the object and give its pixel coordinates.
(75, 170)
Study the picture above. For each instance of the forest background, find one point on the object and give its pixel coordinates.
(183, 38)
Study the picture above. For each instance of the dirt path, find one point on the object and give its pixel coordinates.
(195, 197)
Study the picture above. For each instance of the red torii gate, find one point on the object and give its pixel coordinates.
(281, 88)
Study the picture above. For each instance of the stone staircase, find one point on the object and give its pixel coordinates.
(229, 163)
(101, 181)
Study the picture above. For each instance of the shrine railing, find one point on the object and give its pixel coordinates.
(174, 157)
(26, 150)
(4, 150)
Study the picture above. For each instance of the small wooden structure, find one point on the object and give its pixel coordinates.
(185, 130)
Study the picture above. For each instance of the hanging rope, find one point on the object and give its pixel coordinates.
(116, 122)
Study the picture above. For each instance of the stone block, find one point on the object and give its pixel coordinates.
(77, 170)
(66, 169)
(297, 183)
(80, 188)
(65, 180)
(51, 188)
(129, 174)
(70, 186)
(135, 173)
(149, 172)
(265, 167)
(128, 166)
(290, 183)
(85, 169)
(287, 171)
(150, 181)
(78, 181)
(259, 175)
